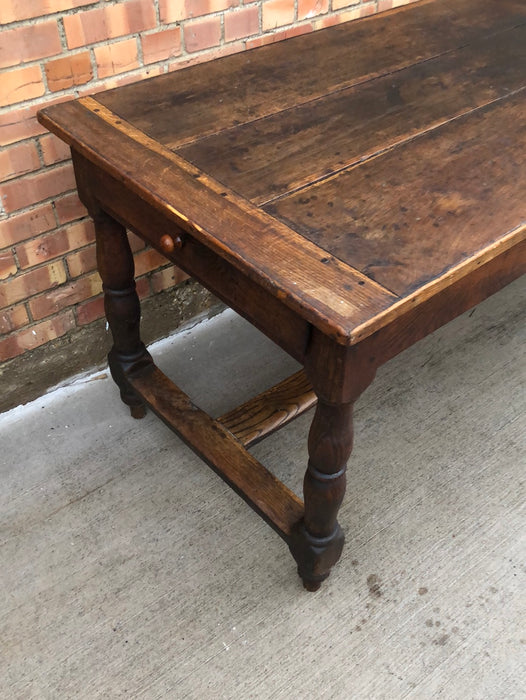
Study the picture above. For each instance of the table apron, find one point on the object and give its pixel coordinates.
(98, 189)
(446, 305)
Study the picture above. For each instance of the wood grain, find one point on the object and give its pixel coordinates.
(409, 216)
(179, 107)
(258, 305)
(321, 289)
(271, 410)
(283, 152)
(424, 218)
(404, 327)
(271, 499)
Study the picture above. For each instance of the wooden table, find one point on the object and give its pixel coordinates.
(347, 191)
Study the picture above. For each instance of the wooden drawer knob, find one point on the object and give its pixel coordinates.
(169, 244)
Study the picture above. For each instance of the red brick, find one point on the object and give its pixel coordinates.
(312, 8)
(18, 160)
(388, 4)
(18, 124)
(12, 319)
(329, 20)
(202, 34)
(63, 73)
(118, 57)
(30, 223)
(21, 84)
(277, 13)
(240, 24)
(143, 287)
(148, 260)
(225, 50)
(69, 208)
(161, 45)
(167, 278)
(340, 4)
(36, 335)
(66, 295)
(29, 43)
(90, 310)
(362, 11)
(368, 9)
(15, 10)
(7, 264)
(125, 79)
(30, 189)
(82, 261)
(53, 149)
(178, 10)
(136, 243)
(33, 282)
(279, 36)
(110, 22)
(55, 244)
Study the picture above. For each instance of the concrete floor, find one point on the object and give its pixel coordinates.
(128, 569)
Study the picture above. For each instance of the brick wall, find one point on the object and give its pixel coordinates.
(51, 50)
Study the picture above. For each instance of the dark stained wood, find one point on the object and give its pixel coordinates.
(181, 106)
(121, 304)
(272, 156)
(279, 506)
(271, 410)
(318, 287)
(432, 312)
(339, 375)
(245, 296)
(406, 136)
(317, 541)
(407, 217)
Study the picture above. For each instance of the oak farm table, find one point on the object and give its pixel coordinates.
(347, 191)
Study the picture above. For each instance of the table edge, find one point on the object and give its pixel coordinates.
(313, 307)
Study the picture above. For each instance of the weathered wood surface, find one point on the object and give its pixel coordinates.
(348, 192)
(407, 217)
(269, 157)
(242, 294)
(407, 149)
(182, 106)
(270, 410)
(443, 305)
(321, 289)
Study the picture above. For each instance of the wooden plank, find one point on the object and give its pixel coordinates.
(401, 328)
(178, 107)
(271, 410)
(271, 499)
(272, 156)
(323, 290)
(408, 217)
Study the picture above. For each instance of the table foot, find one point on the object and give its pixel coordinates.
(315, 556)
(311, 586)
(138, 411)
(122, 367)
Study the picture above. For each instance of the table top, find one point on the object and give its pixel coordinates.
(353, 172)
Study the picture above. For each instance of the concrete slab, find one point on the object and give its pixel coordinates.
(127, 568)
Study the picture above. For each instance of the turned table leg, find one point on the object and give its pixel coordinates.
(128, 355)
(338, 375)
(317, 541)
